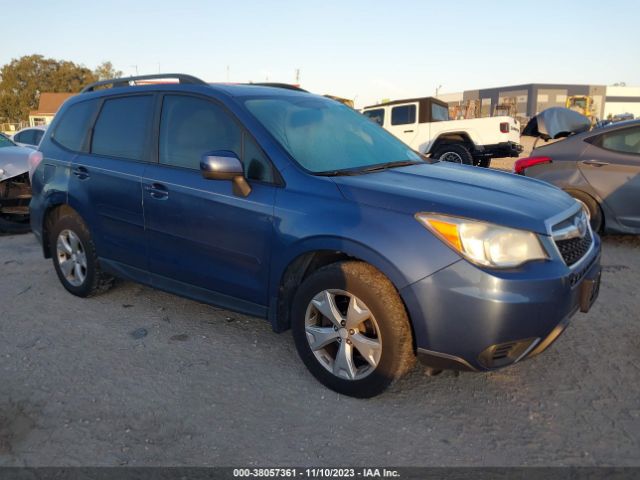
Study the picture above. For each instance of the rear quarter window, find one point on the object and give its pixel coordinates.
(72, 129)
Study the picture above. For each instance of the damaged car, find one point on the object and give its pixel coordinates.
(599, 167)
(15, 187)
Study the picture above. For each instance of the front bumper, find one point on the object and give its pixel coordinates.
(466, 318)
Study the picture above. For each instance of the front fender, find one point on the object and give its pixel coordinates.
(350, 247)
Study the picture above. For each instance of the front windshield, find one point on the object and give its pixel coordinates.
(324, 136)
(5, 142)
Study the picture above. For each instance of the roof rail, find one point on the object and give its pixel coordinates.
(126, 81)
(287, 86)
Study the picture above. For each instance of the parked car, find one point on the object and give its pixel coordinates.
(30, 136)
(15, 190)
(600, 168)
(424, 125)
(293, 207)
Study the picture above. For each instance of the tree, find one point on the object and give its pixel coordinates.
(23, 79)
(105, 71)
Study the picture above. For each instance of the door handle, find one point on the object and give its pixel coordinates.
(157, 191)
(408, 131)
(81, 172)
(594, 163)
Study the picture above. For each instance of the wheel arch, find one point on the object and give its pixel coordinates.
(53, 211)
(304, 260)
(448, 138)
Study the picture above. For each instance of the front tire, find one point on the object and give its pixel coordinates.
(454, 153)
(351, 329)
(75, 259)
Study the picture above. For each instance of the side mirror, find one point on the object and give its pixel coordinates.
(225, 165)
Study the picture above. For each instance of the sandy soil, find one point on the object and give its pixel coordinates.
(141, 377)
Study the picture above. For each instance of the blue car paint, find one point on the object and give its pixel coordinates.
(163, 240)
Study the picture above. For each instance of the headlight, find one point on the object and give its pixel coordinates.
(484, 243)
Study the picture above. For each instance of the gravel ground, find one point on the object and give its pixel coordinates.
(141, 377)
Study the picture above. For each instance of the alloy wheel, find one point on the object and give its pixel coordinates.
(452, 157)
(72, 258)
(343, 334)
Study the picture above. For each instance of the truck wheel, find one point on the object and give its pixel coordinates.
(596, 218)
(75, 259)
(351, 329)
(454, 153)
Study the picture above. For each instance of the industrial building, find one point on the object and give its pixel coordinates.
(525, 101)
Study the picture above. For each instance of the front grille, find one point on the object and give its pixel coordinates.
(576, 276)
(573, 249)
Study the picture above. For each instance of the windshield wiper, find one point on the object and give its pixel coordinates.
(384, 166)
(338, 173)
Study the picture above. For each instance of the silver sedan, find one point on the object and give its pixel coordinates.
(600, 168)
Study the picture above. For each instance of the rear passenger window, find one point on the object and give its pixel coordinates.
(38, 136)
(623, 141)
(122, 127)
(192, 126)
(28, 137)
(403, 115)
(72, 128)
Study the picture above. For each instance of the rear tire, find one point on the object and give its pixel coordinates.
(367, 343)
(596, 217)
(74, 257)
(454, 153)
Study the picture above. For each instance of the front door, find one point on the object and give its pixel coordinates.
(403, 122)
(199, 233)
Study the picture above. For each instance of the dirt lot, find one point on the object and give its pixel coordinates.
(140, 377)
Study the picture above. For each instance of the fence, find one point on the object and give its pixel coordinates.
(11, 128)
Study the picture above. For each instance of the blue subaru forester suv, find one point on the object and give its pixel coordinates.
(281, 204)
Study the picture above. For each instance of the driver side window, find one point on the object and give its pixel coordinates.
(191, 126)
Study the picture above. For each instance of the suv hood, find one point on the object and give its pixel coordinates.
(472, 192)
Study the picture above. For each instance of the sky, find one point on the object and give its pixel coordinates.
(362, 50)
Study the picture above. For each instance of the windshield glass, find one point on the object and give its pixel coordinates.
(323, 135)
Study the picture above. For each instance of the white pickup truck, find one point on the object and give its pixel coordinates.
(424, 125)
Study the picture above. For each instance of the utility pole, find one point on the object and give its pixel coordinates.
(136, 67)
(438, 89)
(297, 76)
(227, 73)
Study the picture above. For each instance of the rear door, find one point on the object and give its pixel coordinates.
(106, 181)
(611, 164)
(199, 233)
(403, 122)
